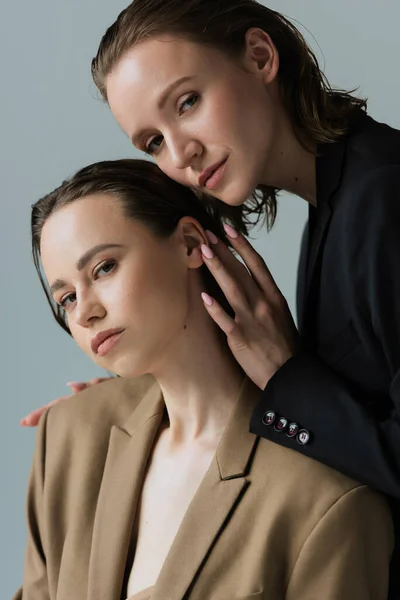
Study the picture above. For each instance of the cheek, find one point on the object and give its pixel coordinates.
(240, 113)
(153, 294)
(178, 175)
(164, 298)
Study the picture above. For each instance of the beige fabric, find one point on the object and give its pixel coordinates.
(266, 523)
(143, 595)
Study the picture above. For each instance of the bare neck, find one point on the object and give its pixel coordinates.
(293, 168)
(200, 379)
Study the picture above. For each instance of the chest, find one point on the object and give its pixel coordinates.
(334, 316)
(171, 482)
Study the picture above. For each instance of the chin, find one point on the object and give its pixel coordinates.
(235, 199)
(237, 193)
(128, 368)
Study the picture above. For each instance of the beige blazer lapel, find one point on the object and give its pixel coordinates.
(128, 453)
(214, 503)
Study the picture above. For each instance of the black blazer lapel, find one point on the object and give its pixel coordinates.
(329, 171)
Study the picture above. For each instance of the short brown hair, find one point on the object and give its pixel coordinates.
(146, 194)
(318, 113)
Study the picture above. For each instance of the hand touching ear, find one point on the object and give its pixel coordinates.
(262, 335)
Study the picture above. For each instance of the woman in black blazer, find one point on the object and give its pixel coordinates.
(228, 98)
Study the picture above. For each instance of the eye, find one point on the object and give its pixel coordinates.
(188, 103)
(67, 301)
(154, 144)
(105, 268)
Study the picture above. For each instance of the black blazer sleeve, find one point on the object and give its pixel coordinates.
(345, 434)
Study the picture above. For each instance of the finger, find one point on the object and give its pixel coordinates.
(230, 286)
(33, 418)
(77, 386)
(235, 267)
(217, 313)
(97, 380)
(253, 260)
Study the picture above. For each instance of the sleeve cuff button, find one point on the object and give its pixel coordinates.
(303, 437)
(281, 424)
(292, 430)
(269, 417)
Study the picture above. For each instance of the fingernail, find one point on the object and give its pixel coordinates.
(69, 383)
(23, 422)
(207, 299)
(230, 231)
(211, 237)
(207, 252)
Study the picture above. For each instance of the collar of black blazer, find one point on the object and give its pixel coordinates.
(330, 163)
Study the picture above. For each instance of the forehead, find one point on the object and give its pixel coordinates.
(82, 217)
(74, 228)
(160, 58)
(145, 70)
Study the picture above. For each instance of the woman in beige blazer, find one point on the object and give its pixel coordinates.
(151, 486)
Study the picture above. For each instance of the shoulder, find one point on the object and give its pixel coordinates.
(373, 202)
(371, 175)
(371, 166)
(366, 215)
(373, 144)
(312, 501)
(87, 417)
(319, 519)
(307, 488)
(380, 182)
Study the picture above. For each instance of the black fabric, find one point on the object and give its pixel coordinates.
(344, 386)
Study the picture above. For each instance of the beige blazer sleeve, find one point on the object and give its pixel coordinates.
(346, 563)
(35, 585)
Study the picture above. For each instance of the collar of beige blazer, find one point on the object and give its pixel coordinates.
(213, 504)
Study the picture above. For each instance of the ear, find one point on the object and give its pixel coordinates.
(261, 55)
(191, 235)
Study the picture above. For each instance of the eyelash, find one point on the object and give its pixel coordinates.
(106, 263)
(180, 112)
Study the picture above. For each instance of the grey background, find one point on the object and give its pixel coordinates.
(52, 124)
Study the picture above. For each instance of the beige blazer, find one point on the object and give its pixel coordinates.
(266, 523)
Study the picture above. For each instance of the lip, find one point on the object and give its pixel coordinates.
(101, 337)
(207, 173)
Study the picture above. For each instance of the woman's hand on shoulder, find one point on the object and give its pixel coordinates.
(32, 419)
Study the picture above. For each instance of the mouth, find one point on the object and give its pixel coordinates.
(212, 176)
(104, 341)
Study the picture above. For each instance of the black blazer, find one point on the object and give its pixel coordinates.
(344, 386)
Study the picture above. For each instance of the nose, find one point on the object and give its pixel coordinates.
(184, 151)
(88, 310)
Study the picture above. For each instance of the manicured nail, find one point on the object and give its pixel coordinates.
(207, 252)
(69, 383)
(211, 237)
(207, 299)
(230, 231)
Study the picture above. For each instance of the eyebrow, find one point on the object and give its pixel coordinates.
(82, 262)
(136, 138)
